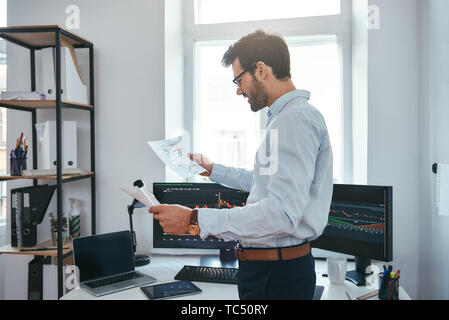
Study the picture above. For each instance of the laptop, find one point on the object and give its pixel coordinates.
(106, 263)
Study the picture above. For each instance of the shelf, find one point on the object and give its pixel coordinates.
(65, 178)
(36, 38)
(42, 36)
(47, 244)
(29, 105)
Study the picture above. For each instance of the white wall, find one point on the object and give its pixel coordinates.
(434, 137)
(129, 87)
(393, 119)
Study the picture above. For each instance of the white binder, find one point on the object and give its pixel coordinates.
(73, 89)
(47, 145)
(45, 73)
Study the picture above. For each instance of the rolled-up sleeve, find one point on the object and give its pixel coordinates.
(281, 209)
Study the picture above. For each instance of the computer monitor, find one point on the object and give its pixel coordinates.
(360, 224)
(198, 195)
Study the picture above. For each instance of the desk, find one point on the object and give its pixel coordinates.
(164, 269)
(35, 267)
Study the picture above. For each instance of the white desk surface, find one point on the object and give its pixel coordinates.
(164, 269)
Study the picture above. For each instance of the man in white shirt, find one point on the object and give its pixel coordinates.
(290, 187)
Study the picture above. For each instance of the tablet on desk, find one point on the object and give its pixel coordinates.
(170, 290)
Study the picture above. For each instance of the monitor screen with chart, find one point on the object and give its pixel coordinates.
(195, 195)
(360, 223)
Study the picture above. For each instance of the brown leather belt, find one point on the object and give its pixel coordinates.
(272, 254)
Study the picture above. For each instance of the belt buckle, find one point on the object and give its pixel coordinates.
(238, 247)
(239, 252)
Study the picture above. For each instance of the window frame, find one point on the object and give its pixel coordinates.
(333, 25)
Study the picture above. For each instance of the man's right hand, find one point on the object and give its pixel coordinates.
(204, 162)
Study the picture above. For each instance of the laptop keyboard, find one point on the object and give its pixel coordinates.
(112, 280)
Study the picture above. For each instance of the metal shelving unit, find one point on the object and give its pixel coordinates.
(36, 38)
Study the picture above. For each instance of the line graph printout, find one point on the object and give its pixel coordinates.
(174, 154)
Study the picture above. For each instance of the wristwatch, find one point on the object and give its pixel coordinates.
(193, 228)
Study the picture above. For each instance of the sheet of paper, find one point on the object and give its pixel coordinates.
(143, 195)
(442, 189)
(172, 153)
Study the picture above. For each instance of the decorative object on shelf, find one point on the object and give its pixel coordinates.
(74, 218)
(54, 229)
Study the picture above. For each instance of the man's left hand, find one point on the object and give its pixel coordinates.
(174, 219)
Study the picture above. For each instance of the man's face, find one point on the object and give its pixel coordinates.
(250, 87)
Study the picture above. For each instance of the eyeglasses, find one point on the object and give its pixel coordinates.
(237, 79)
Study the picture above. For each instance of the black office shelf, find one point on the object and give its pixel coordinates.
(36, 38)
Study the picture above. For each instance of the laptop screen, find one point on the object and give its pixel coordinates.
(103, 255)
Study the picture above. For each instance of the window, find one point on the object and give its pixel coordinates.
(315, 66)
(212, 11)
(3, 154)
(224, 128)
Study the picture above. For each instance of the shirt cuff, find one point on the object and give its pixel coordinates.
(207, 220)
(218, 172)
(213, 222)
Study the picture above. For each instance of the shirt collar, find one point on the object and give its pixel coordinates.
(282, 101)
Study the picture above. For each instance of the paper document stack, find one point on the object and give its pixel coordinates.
(50, 172)
(22, 95)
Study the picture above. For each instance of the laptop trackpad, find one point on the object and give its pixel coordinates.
(125, 284)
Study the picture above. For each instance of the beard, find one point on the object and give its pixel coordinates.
(258, 97)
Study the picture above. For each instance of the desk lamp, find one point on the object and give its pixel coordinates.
(139, 259)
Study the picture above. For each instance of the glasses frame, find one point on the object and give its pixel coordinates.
(236, 80)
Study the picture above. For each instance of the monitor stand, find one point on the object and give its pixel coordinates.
(227, 259)
(358, 276)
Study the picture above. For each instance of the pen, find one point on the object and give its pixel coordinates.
(347, 294)
(384, 277)
(20, 140)
(41, 249)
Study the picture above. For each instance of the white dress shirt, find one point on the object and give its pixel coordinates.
(290, 187)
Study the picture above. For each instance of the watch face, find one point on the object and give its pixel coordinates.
(194, 230)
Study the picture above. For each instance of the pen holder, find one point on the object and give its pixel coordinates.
(388, 289)
(17, 166)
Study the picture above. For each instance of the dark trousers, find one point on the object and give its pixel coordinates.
(277, 280)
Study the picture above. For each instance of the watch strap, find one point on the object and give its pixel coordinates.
(194, 217)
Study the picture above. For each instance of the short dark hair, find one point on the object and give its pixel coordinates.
(261, 46)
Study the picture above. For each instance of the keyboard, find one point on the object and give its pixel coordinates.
(114, 279)
(208, 274)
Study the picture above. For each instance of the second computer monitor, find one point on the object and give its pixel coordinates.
(195, 195)
(360, 222)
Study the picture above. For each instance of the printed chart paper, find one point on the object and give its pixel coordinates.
(143, 195)
(172, 153)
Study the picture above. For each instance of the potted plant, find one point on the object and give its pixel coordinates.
(54, 228)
